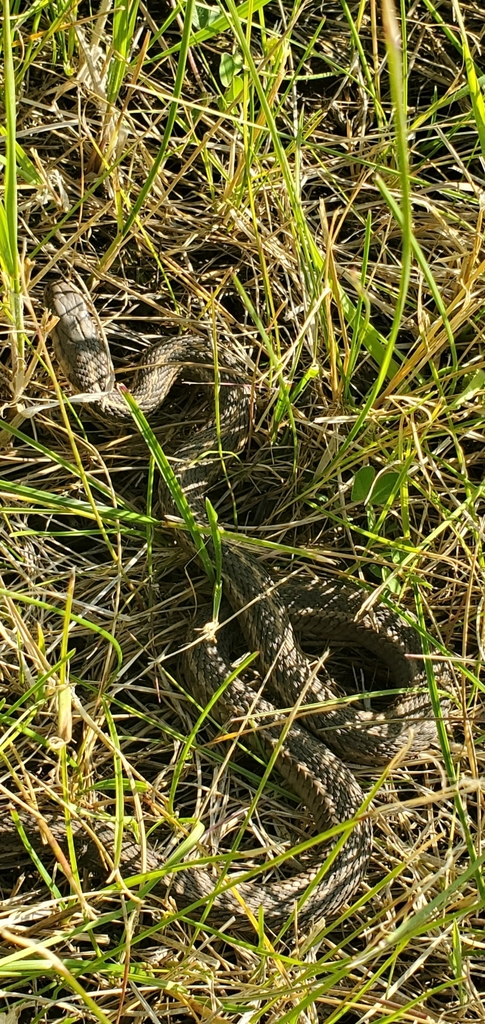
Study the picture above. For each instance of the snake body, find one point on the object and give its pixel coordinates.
(270, 614)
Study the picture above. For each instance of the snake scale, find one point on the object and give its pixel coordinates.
(270, 614)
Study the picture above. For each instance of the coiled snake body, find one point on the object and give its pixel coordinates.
(268, 614)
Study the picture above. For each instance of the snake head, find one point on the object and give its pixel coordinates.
(79, 346)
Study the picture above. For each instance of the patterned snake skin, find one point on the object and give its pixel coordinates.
(269, 614)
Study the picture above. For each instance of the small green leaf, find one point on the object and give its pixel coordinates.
(394, 584)
(473, 384)
(383, 487)
(363, 480)
(235, 89)
(204, 16)
(229, 65)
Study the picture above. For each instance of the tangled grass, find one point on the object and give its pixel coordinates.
(308, 180)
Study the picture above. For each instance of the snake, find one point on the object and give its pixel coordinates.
(271, 615)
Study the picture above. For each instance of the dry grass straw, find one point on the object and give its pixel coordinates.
(244, 169)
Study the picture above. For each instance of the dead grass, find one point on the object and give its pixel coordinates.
(259, 211)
